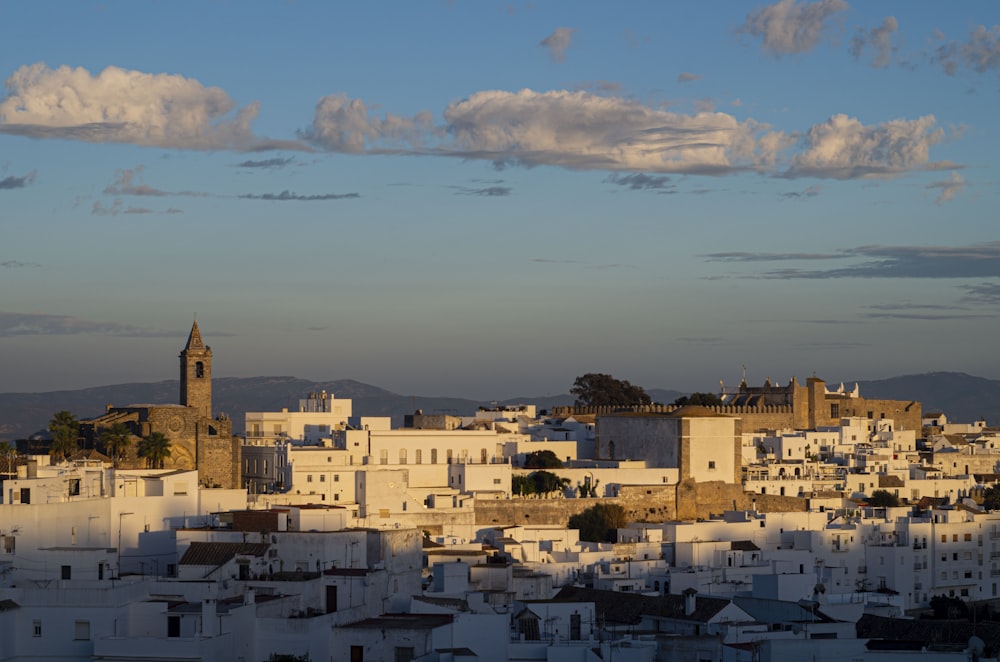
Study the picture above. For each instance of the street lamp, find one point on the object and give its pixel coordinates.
(120, 516)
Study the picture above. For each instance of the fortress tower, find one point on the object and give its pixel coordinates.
(196, 374)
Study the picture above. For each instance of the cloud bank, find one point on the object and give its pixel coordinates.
(584, 131)
(570, 129)
(123, 106)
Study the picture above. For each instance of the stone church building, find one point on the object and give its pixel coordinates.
(197, 440)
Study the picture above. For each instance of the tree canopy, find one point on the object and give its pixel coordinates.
(599, 523)
(155, 448)
(600, 390)
(116, 441)
(703, 399)
(65, 430)
(542, 460)
(883, 499)
(538, 482)
(991, 498)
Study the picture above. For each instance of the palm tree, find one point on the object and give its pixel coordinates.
(155, 447)
(9, 455)
(116, 440)
(65, 430)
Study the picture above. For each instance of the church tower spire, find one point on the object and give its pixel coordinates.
(196, 373)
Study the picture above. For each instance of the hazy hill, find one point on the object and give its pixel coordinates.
(962, 397)
(23, 414)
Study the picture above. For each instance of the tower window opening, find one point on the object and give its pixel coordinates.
(199, 370)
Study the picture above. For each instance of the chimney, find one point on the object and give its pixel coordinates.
(690, 601)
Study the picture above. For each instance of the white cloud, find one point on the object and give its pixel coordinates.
(557, 43)
(789, 27)
(878, 39)
(948, 188)
(583, 131)
(844, 148)
(570, 129)
(342, 124)
(123, 106)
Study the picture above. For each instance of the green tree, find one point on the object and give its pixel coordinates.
(883, 499)
(542, 460)
(116, 441)
(599, 523)
(65, 431)
(546, 482)
(599, 390)
(155, 448)
(991, 498)
(703, 399)
(522, 485)
(8, 458)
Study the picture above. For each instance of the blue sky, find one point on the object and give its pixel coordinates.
(488, 199)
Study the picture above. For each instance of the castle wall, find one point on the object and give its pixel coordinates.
(219, 461)
(643, 503)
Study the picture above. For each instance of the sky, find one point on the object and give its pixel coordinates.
(488, 199)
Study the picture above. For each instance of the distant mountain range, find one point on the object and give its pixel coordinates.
(962, 397)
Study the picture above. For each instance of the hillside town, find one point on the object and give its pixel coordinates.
(794, 520)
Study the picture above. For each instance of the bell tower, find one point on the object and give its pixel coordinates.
(196, 373)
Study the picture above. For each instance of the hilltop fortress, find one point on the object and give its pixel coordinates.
(795, 406)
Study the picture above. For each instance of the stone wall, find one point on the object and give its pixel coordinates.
(648, 503)
(219, 461)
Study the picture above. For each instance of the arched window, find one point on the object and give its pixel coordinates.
(199, 369)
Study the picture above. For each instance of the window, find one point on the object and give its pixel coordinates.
(74, 487)
(383, 456)
(199, 369)
(419, 456)
(482, 456)
(434, 456)
(496, 481)
(834, 411)
(954, 537)
(336, 478)
(968, 537)
(81, 630)
(67, 572)
(357, 654)
(322, 478)
(36, 628)
(404, 654)
(309, 478)
(711, 464)
(944, 537)
(575, 621)
(448, 456)
(173, 626)
(402, 456)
